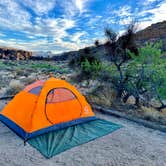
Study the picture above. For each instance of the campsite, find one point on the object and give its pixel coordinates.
(132, 144)
(82, 83)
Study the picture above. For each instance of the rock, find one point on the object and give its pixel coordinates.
(30, 79)
(84, 84)
(22, 78)
(153, 33)
(15, 86)
(93, 83)
(131, 100)
(15, 83)
(164, 110)
(11, 76)
(155, 103)
(14, 54)
(4, 73)
(63, 77)
(2, 91)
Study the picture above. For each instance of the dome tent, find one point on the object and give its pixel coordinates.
(46, 106)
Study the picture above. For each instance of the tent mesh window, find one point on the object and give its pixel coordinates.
(59, 95)
(36, 90)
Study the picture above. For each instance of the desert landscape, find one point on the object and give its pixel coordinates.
(93, 59)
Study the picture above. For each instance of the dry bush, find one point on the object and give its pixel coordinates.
(15, 86)
(152, 114)
(102, 95)
(20, 72)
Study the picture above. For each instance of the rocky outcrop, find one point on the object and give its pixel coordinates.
(14, 54)
(153, 33)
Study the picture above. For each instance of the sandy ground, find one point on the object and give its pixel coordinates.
(133, 145)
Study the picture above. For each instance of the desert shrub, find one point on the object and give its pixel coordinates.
(82, 55)
(147, 73)
(111, 35)
(102, 95)
(135, 72)
(7, 65)
(2, 65)
(97, 43)
(86, 64)
(20, 72)
(41, 66)
(118, 56)
(91, 69)
(150, 113)
(48, 67)
(108, 72)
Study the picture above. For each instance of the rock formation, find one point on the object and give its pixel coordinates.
(153, 33)
(14, 54)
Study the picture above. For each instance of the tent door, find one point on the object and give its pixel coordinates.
(62, 106)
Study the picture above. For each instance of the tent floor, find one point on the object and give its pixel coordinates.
(55, 142)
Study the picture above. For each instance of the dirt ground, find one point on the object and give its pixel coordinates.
(132, 145)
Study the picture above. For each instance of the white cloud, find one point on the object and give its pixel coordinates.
(76, 36)
(123, 11)
(158, 14)
(121, 16)
(74, 7)
(44, 33)
(81, 5)
(12, 16)
(125, 21)
(40, 7)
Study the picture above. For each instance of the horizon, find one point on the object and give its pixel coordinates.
(72, 24)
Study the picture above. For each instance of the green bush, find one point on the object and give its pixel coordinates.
(91, 69)
(147, 72)
(143, 75)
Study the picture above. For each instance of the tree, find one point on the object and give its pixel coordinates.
(97, 43)
(118, 55)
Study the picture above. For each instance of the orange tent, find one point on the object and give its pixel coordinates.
(45, 106)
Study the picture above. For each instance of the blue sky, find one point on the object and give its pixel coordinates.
(65, 25)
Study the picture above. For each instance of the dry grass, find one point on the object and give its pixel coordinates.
(102, 96)
(152, 114)
(105, 96)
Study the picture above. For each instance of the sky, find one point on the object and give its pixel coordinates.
(67, 25)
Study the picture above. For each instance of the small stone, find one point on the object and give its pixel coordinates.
(131, 100)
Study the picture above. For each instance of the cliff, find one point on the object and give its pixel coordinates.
(15, 54)
(153, 33)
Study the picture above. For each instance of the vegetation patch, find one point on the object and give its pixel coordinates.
(136, 76)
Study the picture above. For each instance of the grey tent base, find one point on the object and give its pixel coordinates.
(55, 142)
